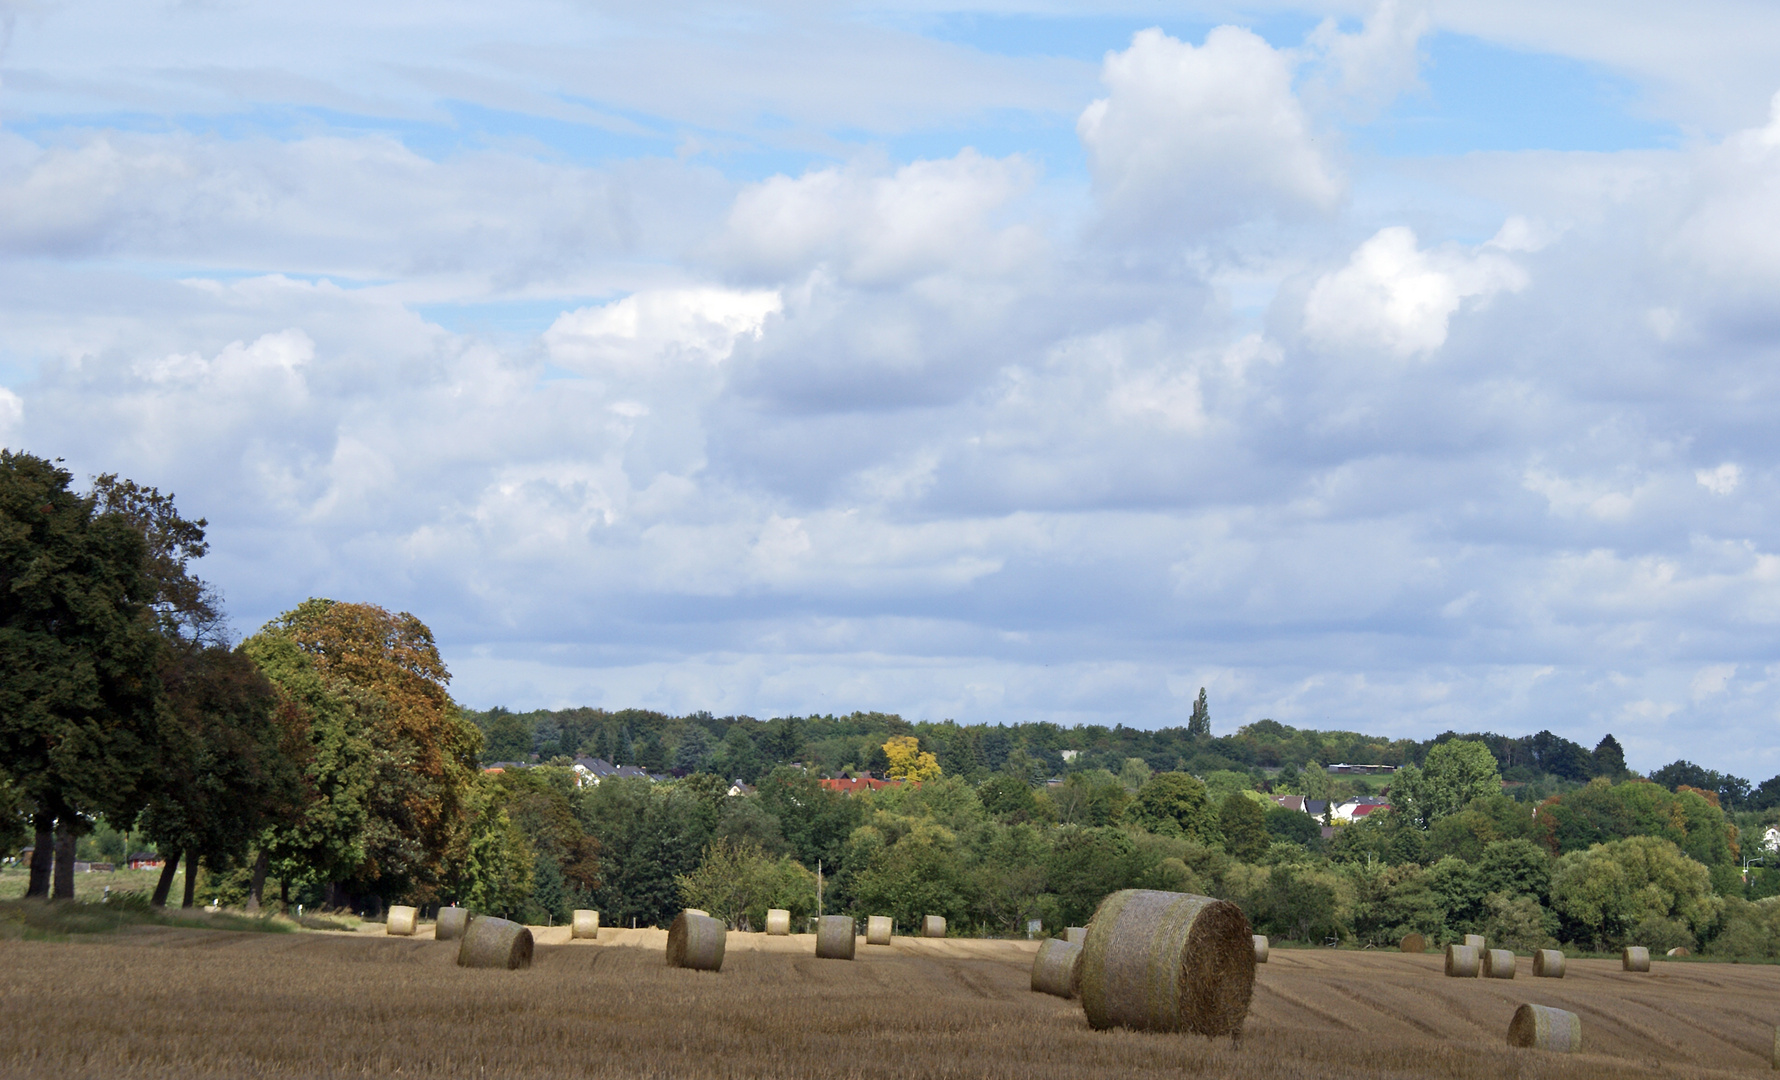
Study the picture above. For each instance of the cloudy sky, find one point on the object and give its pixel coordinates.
(1400, 367)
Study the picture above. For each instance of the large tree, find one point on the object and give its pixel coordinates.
(1454, 773)
(79, 655)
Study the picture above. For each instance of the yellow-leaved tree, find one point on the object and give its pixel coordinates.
(908, 761)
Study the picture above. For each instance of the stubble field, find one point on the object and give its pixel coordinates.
(197, 1004)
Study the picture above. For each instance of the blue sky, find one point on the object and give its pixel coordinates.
(1391, 366)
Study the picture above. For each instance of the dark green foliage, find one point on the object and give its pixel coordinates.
(550, 894)
(1395, 901)
(1293, 826)
(1173, 804)
(506, 737)
(1009, 798)
(1199, 726)
(1243, 823)
(1732, 791)
(1515, 867)
(1609, 758)
(814, 821)
(1296, 906)
(1087, 864)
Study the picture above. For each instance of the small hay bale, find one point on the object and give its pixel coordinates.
(1261, 944)
(1075, 935)
(401, 921)
(835, 938)
(495, 943)
(696, 941)
(1635, 958)
(877, 930)
(1461, 962)
(450, 923)
(1541, 1027)
(1414, 943)
(933, 926)
(1476, 942)
(1498, 964)
(1166, 961)
(1057, 968)
(585, 924)
(1548, 964)
(778, 922)
(1679, 950)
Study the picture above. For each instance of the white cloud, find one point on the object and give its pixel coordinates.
(659, 326)
(1394, 296)
(1720, 481)
(1712, 680)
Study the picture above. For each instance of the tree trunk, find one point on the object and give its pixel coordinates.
(43, 856)
(64, 884)
(191, 879)
(284, 894)
(165, 885)
(259, 882)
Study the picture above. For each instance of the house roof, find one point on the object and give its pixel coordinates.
(1366, 808)
(863, 783)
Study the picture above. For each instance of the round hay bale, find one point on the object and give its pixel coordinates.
(495, 943)
(697, 911)
(835, 938)
(1679, 950)
(1541, 1027)
(877, 930)
(401, 920)
(1166, 961)
(1057, 968)
(696, 941)
(585, 924)
(1548, 964)
(933, 926)
(1414, 943)
(1777, 1047)
(778, 922)
(1075, 935)
(1476, 941)
(1635, 958)
(1461, 962)
(1498, 964)
(1261, 944)
(450, 923)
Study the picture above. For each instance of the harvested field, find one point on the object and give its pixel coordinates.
(200, 1004)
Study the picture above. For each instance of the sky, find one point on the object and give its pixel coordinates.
(1394, 367)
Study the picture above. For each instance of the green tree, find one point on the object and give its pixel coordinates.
(1608, 892)
(738, 882)
(1199, 726)
(694, 750)
(1009, 798)
(1395, 901)
(1293, 826)
(1243, 823)
(1515, 868)
(1173, 804)
(1458, 891)
(816, 821)
(79, 655)
(923, 873)
(1609, 759)
(1454, 773)
(1087, 864)
(508, 737)
(1090, 797)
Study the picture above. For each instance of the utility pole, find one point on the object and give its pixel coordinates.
(818, 888)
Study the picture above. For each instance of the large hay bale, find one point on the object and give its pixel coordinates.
(1461, 962)
(1414, 943)
(698, 911)
(401, 921)
(1261, 944)
(1498, 964)
(1541, 1027)
(1548, 964)
(1679, 950)
(834, 937)
(778, 922)
(1476, 941)
(450, 923)
(1058, 968)
(933, 926)
(495, 943)
(584, 924)
(1075, 935)
(877, 930)
(1166, 961)
(696, 941)
(1635, 958)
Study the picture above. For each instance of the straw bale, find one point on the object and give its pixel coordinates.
(877, 930)
(450, 923)
(1498, 964)
(696, 941)
(697, 911)
(1461, 962)
(1476, 942)
(1058, 968)
(1414, 943)
(834, 937)
(585, 924)
(1635, 958)
(933, 926)
(778, 922)
(1261, 944)
(495, 943)
(1166, 961)
(401, 920)
(1541, 1027)
(1075, 935)
(1679, 950)
(1548, 964)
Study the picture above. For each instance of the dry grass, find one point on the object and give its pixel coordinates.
(196, 1005)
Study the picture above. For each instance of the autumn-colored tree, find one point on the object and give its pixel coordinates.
(426, 750)
(908, 761)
